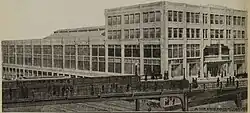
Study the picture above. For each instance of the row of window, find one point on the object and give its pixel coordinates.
(114, 20)
(132, 18)
(193, 50)
(152, 32)
(132, 33)
(175, 32)
(175, 16)
(193, 33)
(114, 34)
(238, 34)
(217, 33)
(192, 17)
(153, 16)
(239, 49)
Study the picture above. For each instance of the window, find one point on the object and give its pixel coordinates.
(109, 20)
(126, 33)
(70, 53)
(192, 33)
(175, 32)
(212, 33)
(132, 51)
(197, 17)
(170, 15)
(228, 33)
(137, 33)
(197, 33)
(83, 57)
(131, 33)
(180, 32)
(115, 34)
(131, 18)
(221, 33)
(188, 33)
(47, 56)
(145, 17)
(234, 33)
(216, 33)
(243, 21)
(152, 16)
(110, 34)
(152, 51)
(158, 32)
(238, 20)
(119, 19)
(234, 20)
(126, 19)
(212, 18)
(188, 16)
(192, 17)
(193, 50)
(169, 32)
(98, 58)
(158, 16)
(239, 34)
(114, 65)
(180, 15)
(216, 19)
(221, 19)
(129, 65)
(28, 55)
(175, 51)
(114, 20)
(243, 34)
(204, 18)
(114, 50)
(58, 56)
(204, 33)
(145, 32)
(137, 18)
(152, 33)
(175, 16)
(37, 50)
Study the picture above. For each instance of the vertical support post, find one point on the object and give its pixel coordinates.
(137, 105)
(185, 102)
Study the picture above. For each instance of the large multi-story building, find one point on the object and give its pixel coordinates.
(175, 40)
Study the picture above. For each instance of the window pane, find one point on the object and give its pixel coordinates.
(126, 19)
(131, 19)
(152, 16)
(145, 17)
(94, 52)
(118, 67)
(137, 18)
(101, 51)
(158, 16)
(111, 67)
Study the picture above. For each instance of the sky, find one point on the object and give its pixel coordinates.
(33, 19)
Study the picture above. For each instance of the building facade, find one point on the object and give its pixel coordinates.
(172, 39)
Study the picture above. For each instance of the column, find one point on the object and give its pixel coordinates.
(52, 54)
(106, 56)
(185, 46)
(76, 47)
(141, 59)
(220, 50)
(202, 44)
(63, 53)
(165, 39)
(90, 58)
(122, 60)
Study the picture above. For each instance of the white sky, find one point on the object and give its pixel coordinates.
(30, 19)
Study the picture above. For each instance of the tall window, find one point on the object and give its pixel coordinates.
(192, 17)
(126, 33)
(20, 54)
(158, 32)
(5, 53)
(47, 56)
(28, 55)
(221, 33)
(37, 55)
(145, 32)
(126, 19)
(234, 33)
(221, 19)
(114, 62)
(158, 16)
(152, 16)
(211, 18)
(175, 16)
(114, 34)
(170, 15)
(180, 16)
(137, 18)
(169, 32)
(188, 32)
(212, 33)
(197, 33)
(109, 20)
(239, 20)
(83, 57)
(204, 18)
(12, 53)
(188, 16)
(137, 33)
(114, 20)
(175, 32)
(70, 57)
(131, 18)
(243, 21)
(118, 19)
(145, 17)
(234, 20)
(216, 19)
(98, 58)
(58, 56)
(197, 17)
(243, 34)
